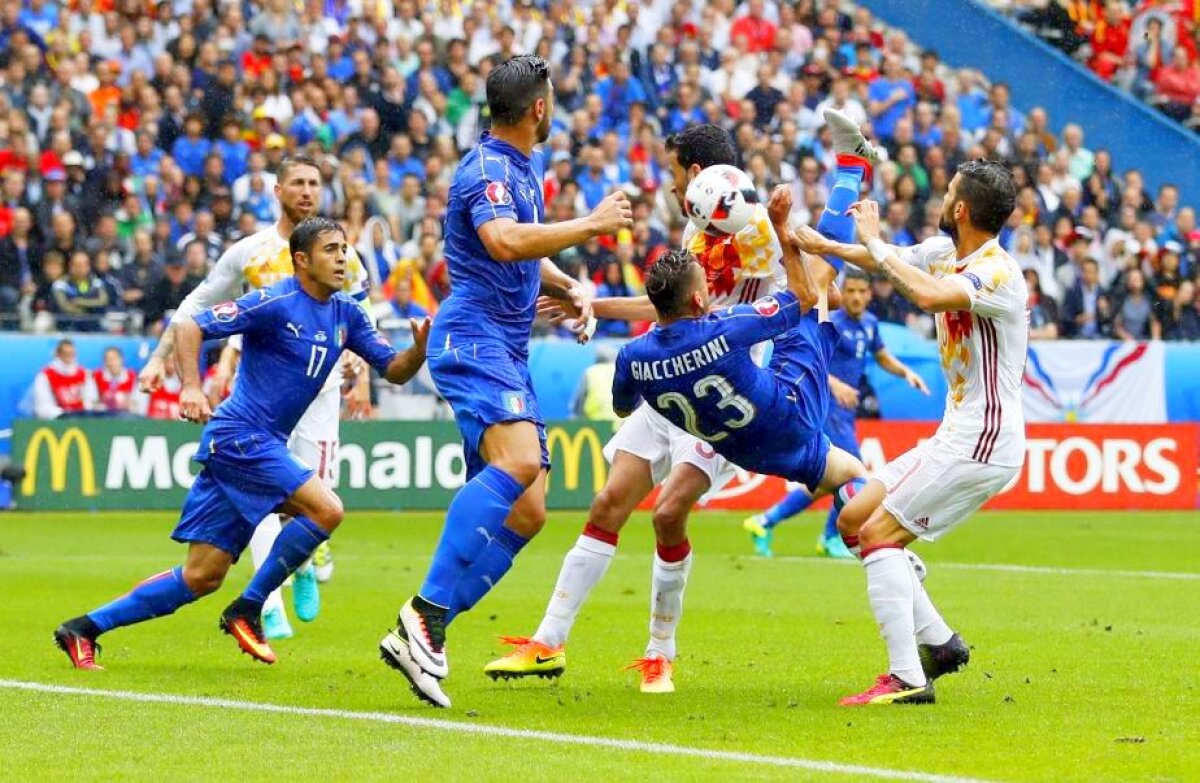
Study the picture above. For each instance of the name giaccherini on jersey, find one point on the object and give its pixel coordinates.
(681, 364)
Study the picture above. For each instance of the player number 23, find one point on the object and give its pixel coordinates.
(728, 399)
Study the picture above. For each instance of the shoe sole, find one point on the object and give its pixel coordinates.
(225, 630)
(548, 674)
(389, 659)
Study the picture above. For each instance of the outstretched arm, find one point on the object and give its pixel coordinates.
(508, 240)
(890, 364)
(931, 294)
(404, 366)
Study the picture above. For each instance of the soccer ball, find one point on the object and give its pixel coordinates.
(720, 200)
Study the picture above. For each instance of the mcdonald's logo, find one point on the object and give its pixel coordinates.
(572, 453)
(59, 447)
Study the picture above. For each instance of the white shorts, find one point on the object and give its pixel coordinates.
(647, 434)
(315, 439)
(931, 489)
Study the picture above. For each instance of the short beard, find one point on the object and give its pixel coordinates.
(543, 130)
(949, 227)
(295, 215)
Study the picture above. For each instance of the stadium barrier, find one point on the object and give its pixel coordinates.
(88, 464)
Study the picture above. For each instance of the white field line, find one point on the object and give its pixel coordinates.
(553, 738)
(1006, 567)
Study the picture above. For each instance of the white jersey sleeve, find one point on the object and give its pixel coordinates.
(223, 283)
(928, 255)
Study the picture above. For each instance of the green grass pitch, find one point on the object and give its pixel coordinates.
(1076, 674)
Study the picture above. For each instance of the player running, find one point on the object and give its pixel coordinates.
(858, 336)
(648, 450)
(979, 297)
(294, 333)
(496, 247)
(258, 261)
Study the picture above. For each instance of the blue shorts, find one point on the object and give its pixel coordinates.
(840, 429)
(485, 384)
(246, 476)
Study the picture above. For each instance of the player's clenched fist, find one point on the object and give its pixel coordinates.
(779, 207)
(193, 405)
(613, 213)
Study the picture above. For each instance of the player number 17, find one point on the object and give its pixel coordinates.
(728, 399)
(316, 360)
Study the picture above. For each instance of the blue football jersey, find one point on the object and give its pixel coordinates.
(858, 338)
(291, 342)
(489, 299)
(699, 374)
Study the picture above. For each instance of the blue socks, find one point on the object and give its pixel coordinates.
(491, 565)
(796, 501)
(475, 517)
(295, 544)
(156, 596)
(835, 222)
(831, 528)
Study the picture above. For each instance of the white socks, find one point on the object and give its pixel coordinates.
(891, 587)
(582, 569)
(666, 604)
(260, 546)
(931, 628)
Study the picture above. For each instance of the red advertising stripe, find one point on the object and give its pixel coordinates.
(1067, 466)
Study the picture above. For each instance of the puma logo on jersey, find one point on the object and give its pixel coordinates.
(294, 328)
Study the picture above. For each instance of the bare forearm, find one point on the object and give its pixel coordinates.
(556, 282)
(405, 365)
(187, 352)
(921, 288)
(166, 343)
(521, 241)
(625, 308)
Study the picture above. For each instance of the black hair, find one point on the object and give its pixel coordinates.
(66, 342)
(291, 161)
(304, 236)
(854, 273)
(513, 86)
(703, 145)
(668, 282)
(987, 188)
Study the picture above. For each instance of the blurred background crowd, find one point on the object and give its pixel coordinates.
(138, 140)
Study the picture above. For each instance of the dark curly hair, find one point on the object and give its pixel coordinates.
(668, 283)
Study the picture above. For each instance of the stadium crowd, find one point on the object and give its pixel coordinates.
(1149, 47)
(138, 140)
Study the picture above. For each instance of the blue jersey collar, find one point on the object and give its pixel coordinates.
(502, 146)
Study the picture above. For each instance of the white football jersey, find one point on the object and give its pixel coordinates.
(743, 267)
(982, 351)
(257, 261)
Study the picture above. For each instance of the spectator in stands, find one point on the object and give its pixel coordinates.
(613, 284)
(190, 149)
(205, 234)
(63, 387)
(163, 402)
(1087, 311)
(1080, 160)
(402, 305)
(142, 271)
(1149, 56)
(1178, 85)
(114, 383)
(173, 287)
(1043, 310)
(20, 261)
(80, 298)
(890, 97)
(1110, 40)
(1184, 320)
(1135, 318)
